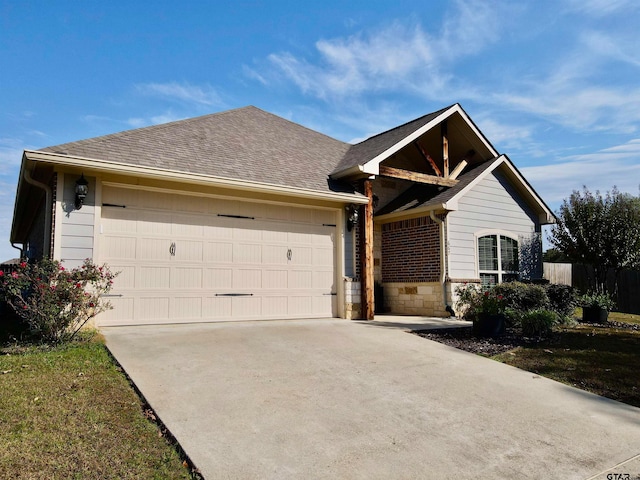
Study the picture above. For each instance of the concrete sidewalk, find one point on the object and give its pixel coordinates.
(339, 399)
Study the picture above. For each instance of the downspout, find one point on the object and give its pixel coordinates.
(46, 246)
(443, 267)
(18, 248)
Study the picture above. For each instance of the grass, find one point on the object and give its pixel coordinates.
(69, 412)
(601, 360)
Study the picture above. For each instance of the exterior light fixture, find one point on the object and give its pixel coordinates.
(82, 189)
(352, 216)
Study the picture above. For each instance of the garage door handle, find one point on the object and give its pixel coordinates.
(172, 249)
(234, 294)
(289, 254)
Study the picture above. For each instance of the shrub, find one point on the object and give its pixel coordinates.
(562, 300)
(538, 322)
(597, 300)
(56, 303)
(523, 296)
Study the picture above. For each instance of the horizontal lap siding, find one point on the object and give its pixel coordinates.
(77, 232)
(490, 205)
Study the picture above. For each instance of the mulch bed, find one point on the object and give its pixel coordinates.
(463, 339)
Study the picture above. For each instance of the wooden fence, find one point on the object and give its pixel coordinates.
(558, 273)
(628, 298)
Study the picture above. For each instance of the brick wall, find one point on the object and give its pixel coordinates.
(411, 251)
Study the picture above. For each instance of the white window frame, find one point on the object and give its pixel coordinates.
(500, 272)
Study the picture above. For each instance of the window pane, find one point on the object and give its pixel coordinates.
(488, 252)
(509, 254)
(488, 280)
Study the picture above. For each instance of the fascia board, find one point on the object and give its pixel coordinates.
(411, 213)
(373, 166)
(201, 179)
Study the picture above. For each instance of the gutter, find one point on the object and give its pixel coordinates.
(193, 178)
(46, 246)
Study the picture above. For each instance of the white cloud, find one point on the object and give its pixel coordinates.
(601, 8)
(614, 166)
(10, 154)
(204, 95)
(398, 57)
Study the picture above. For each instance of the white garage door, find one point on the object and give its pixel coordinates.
(189, 259)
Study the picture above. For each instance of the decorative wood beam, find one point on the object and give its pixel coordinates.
(458, 170)
(428, 158)
(366, 255)
(415, 176)
(445, 149)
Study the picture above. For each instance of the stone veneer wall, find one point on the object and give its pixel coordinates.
(352, 298)
(422, 298)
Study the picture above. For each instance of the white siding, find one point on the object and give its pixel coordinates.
(491, 205)
(77, 226)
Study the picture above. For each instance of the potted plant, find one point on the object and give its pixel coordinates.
(596, 307)
(490, 320)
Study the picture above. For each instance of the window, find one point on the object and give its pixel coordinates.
(497, 259)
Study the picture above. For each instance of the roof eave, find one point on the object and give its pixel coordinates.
(108, 166)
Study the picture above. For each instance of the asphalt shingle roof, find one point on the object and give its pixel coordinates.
(370, 148)
(246, 143)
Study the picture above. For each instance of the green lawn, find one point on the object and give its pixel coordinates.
(605, 361)
(69, 412)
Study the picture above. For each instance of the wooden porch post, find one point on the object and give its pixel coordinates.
(366, 255)
(445, 148)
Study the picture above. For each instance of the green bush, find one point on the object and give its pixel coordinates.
(523, 296)
(53, 301)
(562, 300)
(538, 322)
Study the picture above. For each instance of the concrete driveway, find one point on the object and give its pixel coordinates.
(338, 399)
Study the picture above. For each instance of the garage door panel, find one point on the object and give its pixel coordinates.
(247, 279)
(243, 307)
(301, 255)
(274, 307)
(215, 230)
(323, 279)
(300, 305)
(120, 248)
(187, 226)
(275, 279)
(126, 277)
(186, 308)
(300, 279)
(218, 252)
(181, 265)
(154, 308)
(274, 254)
(154, 249)
(217, 278)
(217, 307)
(186, 277)
(155, 223)
(150, 277)
(188, 251)
(247, 253)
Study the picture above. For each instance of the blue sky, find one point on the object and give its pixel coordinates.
(554, 84)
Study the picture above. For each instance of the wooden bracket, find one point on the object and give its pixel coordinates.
(415, 176)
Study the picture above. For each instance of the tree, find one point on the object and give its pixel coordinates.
(601, 231)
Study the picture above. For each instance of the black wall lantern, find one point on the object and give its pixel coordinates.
(82, 188)
(352, 216)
